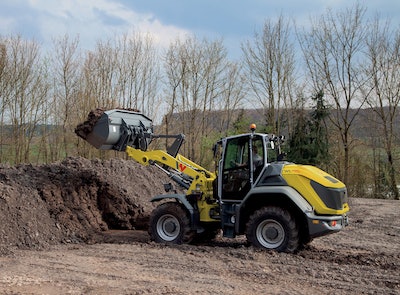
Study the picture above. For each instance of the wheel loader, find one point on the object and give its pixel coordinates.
(276, 204)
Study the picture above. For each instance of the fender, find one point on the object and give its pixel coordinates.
(266, 192)
(181, 198)
(288, 191)
(318, 225)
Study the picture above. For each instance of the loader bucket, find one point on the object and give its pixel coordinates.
(115, 129)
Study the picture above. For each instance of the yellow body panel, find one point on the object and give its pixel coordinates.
(202, 178)
(204, 209)
(299, 177)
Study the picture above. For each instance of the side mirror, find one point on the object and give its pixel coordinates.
(272, 141)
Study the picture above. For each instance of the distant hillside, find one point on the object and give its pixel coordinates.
(366, 125)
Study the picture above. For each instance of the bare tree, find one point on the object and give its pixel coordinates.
(232, 97)
(333, 54)
(124, 73)
(3, 95)
(175, 67)
(66, 61)
(104, 79)
(194, 71)
(384, 68)
(138, 74)
(25, 94)
(270, 67)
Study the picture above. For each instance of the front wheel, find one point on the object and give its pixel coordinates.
(169, 223)
(273, 228)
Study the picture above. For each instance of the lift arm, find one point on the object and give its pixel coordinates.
(185, 172)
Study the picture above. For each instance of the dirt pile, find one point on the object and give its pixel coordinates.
(74, 200)
(362, 259)
(86, 127)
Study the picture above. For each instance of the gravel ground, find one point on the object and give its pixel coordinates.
(77, 227)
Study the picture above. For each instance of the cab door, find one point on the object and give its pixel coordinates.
(236, 173)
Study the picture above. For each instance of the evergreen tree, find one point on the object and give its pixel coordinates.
(309, 142)
(319, 131)
(241, 124)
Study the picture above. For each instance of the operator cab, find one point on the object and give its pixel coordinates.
(240, 165)
(242, 159)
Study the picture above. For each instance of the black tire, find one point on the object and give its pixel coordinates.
(273, 228)
(170, 224)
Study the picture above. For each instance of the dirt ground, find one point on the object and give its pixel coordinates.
(78, 227)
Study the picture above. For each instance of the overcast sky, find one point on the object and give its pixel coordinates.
(233, 20)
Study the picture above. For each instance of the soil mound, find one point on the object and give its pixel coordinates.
(83, 129)
(74, 200)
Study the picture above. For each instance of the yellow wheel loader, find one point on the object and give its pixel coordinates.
(278, 205)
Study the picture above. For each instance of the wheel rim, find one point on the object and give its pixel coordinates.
(168, 227)
(270, 234)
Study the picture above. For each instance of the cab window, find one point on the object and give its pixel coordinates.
(237, 152)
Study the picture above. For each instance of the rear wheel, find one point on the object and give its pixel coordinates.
(273, 228)
(169, 223)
